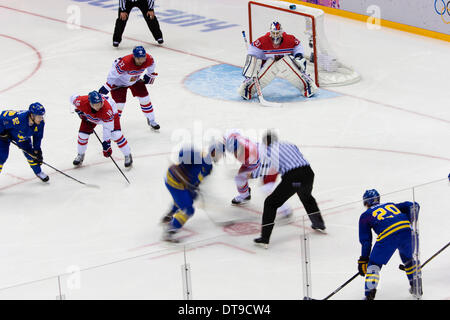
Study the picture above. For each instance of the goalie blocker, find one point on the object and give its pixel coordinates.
(289, 68)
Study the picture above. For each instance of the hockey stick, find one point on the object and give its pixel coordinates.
(262, 101)
(402, 267)
(340, 287)
(48, 165)
(113, 159)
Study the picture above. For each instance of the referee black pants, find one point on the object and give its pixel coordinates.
(300, 181)
(153, 24)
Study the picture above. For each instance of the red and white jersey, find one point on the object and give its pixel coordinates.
(104, 116)
(264, 49)
(247, 150)
(124, 72)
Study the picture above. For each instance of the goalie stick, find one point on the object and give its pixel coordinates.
(262, 101)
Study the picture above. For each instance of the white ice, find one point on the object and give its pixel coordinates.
(391, 131)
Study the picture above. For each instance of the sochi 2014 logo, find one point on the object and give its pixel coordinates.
(442, 8)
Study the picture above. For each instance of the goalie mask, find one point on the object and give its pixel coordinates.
(276, 33)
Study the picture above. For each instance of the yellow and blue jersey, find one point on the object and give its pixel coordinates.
(16, 123)
(191, 175)
(385, 219)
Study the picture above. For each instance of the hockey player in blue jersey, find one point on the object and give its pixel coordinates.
(26, 129)
(392, 223)
(183, 180)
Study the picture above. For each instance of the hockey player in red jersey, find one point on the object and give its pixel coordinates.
(276, 54)
(248, 153)
(94, 109)
(126, 74)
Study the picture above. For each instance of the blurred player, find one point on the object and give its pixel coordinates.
(126, 74)
(391, 222)
(182, 181)
(20, 127)
(276, 54)
(95, 109)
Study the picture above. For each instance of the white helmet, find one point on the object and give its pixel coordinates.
(276, 32)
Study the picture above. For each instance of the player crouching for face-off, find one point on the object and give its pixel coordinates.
(183, 180)
(96, 109)
(25, 129)
(276, 54)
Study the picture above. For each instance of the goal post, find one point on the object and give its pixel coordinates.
(307, 25)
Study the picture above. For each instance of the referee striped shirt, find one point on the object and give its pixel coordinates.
(282, 157)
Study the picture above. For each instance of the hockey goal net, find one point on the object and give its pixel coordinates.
(307, 25)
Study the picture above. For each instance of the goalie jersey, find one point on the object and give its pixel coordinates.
(263, 48)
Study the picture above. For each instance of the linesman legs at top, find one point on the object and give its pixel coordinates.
(147, 9)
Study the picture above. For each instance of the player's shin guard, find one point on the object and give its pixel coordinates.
(120, 107)
(121, 142)
(146, 107)
(371, 281)
(83, 139)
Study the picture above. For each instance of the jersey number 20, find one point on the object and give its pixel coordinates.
(381, 212)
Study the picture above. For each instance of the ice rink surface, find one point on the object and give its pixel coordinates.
(390, 131)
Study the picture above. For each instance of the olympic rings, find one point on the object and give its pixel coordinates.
(445, 7)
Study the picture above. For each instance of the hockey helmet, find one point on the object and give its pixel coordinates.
(371, 197)
(276, 32)
(139, 52)
(36, 109)
(94, 97)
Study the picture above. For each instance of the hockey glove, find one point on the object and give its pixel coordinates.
(81, 114)
(149, 79)
(38, 156)
(362, 265)
(107, 151)
(5, 136)
(300, 61)
(103, 91)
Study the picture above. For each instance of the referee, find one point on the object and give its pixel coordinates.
(146, 7)
(296, 177)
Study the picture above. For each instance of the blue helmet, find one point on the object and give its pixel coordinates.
(371, 197)
(188, 155)
(37, 109)
(139, 52)
(94, 97)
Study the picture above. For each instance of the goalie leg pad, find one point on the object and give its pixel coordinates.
(300, 80)
(251, 67)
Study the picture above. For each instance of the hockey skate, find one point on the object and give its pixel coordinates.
(43, 176)
(261, 242)
(115, 44)
(167, 218)
(160, 41)
(168, 236)
(152, 123)
(371, 295)
(241, 199)
(128, 161)
(78, 161)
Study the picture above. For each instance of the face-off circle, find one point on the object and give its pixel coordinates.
(242, 228)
